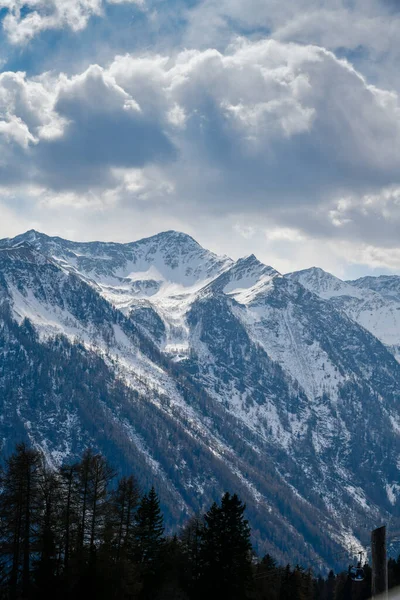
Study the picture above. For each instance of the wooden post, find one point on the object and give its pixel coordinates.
(379, 562)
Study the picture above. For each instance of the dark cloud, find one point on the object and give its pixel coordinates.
(102, 128)
(94, 144)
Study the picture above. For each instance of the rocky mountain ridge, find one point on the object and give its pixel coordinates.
(206, 373)
(373, 302)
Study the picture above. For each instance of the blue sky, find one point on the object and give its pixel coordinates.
(254, 125)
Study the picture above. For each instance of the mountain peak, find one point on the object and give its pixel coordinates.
(323, 283)
(32, 237)
(170, 239)
(173, 235)
(247, 280)
(311, 272)
(251, 261)
(32, 234)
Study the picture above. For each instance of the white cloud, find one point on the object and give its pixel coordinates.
(16, 130)
(26, 19)
(367, 30)
(31, 103)
(372, 256)
(328, 23)
(257, 106)
(285, 234)
(277, 136)
(372, 216)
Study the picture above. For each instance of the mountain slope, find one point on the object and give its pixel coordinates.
(161, 274)
(220, 375)
(87, 376)
(373, 302)
(306, 377)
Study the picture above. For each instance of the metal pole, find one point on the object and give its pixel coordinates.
(379, 562)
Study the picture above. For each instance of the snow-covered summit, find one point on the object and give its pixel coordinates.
(169, 257)
(324, 284)
(169, 240)
(373, 302)
(162, 273)
(32, 238)
(246, 280)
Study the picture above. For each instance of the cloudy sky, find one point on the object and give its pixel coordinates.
(254, 125)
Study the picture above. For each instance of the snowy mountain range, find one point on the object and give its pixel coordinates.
(203, 374)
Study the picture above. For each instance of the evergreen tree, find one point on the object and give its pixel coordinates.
(101, 475)
(191, 543)
(149, 530)
(268, 579)
(319, 588)
(343, 589)
(149, 543)
(50, 531)
(83, 483)
(64, 535)
(394, 572)
(94, 478)
(172, 582)
(20, 511)
(302, 584)
(124, 504)
(287, 588)
(330, 586)
(68, 475)
(226, 569)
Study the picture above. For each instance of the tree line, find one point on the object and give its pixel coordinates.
(78, 532)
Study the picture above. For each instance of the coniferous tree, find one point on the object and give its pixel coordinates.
(268, 578)
(394, 572)
(19, 507)
(101, 475)
(48, 562)
(64, 535)
(172, 581)
(83, 483)
(116, 553)
(319, 588)
(124, 504)
(149, 530)
(94, 478)
(343, 589)
(330, 586)
(287, 584)
(226, 568)
(68, 475)
(302, 584)
(191, 544)
(149, 542)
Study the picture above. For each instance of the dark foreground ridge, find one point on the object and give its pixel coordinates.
(77, 532)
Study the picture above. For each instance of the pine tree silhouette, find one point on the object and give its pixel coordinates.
(226, 550)
(149, 529)
(19, 509)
